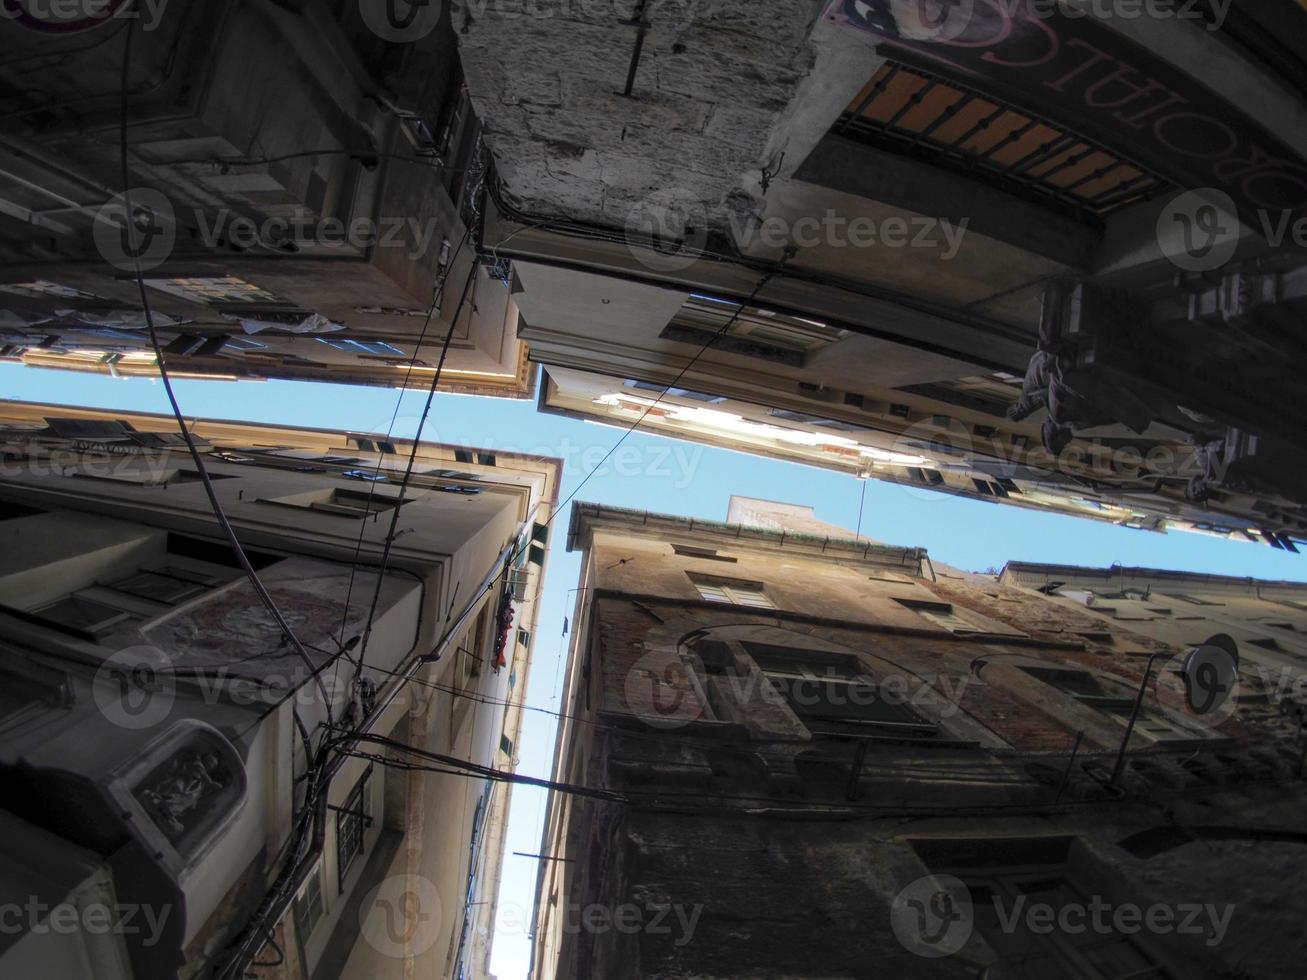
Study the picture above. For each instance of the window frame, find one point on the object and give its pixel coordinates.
(729, 591)
(309, 907)
(353, 818)
(902, 720)
(1063, 952)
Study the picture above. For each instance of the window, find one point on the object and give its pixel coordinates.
(817, 420)
(308, 904)
(1117, 702)
(1266, 643)
(375, 347)
(213, 289)
(77, 613)
(40, 288)
(832, 695)
(752, 331)
(524, 638)
(697, 396)
(1003, 877)
(689, 551)
(191, 568)
(353, 818)
(941, 614)
(1084, 687)
(151, 478)
(167, 585)
(10, 510)
(352, 503)
(735, 591)
(340, 503)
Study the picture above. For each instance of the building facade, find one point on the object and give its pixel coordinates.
(1034, 253)
(185, 795)
(837, 758)
(304, 191)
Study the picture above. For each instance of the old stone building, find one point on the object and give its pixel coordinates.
(837, 758)
(1045, 254)
(304, 185)
(186, 793)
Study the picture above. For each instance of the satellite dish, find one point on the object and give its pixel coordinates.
(1210, 671)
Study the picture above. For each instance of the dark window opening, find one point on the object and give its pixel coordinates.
(689, 551)
(832, 695)
(10, 511)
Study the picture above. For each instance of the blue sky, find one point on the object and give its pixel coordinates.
(656, 474)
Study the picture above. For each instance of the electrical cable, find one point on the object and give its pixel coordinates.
(408, 474)
(437, 290)
(627, 732)
(703, 349)
(473, 768)
(256, 583)
(360, 155)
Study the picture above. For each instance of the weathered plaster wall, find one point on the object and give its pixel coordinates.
(711, 81)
